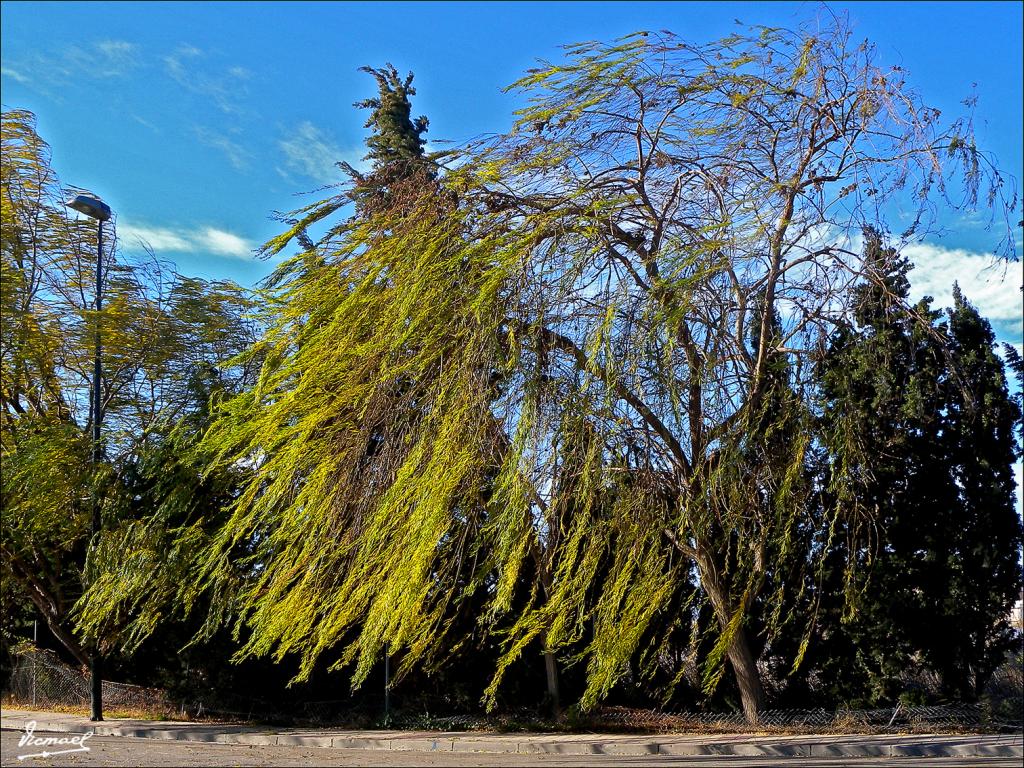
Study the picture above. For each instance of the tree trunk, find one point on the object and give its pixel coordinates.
(49, 605)
(551, 667)
(550, 662)
(741, 658)
(744, 666)
(63, 635)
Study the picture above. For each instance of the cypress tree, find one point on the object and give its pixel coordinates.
(921, 423)
(880, 381)
(400, 170)
(396, 136)
(977, 574)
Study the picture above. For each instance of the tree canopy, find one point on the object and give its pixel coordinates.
(582, 378)
(159, 329)
(570, 387)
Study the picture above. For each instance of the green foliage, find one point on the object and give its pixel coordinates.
(396, 136)
(159, 332)
(978, 560)
(141, 573)
(45, 479)
(922, 435)
(568, 380)
(560, 400)
(368, 416)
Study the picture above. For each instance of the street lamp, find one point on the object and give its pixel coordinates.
(95, 208)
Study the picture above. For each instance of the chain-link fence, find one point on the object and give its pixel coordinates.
(40, 679)
(987, 715)
(981, 716)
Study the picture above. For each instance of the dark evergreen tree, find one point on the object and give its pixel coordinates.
(400, 170)
(919, 422)
(977, 575)
(880, 381)
(396, 136)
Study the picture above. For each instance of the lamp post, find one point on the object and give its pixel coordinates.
(96, 209)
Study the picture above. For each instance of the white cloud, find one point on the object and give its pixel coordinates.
(158, 238)
(225, 89)
(175, 63)
(310, 152)
(205, 239)
(225, 244)
(145, 123)
(236, 154)
(991, 286)
(106, 58)
(188, 50)
(116, 57)
(51, 71)
(14, 75)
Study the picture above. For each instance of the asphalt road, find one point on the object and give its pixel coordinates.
(121, 751)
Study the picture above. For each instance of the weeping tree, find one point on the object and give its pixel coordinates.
(569, 380)
(158, 328)
(148, 566)
(43, 382)
(686, 218)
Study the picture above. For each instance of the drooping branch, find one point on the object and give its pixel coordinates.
(678, 456)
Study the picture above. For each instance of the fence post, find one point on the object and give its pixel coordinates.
(387, 691)
(35, 661)
(895, 712)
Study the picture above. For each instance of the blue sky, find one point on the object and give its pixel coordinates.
(196, 120)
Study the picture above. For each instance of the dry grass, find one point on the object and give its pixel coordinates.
(113, 712)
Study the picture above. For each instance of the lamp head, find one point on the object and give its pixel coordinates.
(90, 206)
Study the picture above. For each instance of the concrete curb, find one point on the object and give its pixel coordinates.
(746, 746)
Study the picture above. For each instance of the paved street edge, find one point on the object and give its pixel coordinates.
(838, 746)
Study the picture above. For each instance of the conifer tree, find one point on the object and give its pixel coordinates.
(400, 172)
(933, 566)
(395, 137)
(976, 570)
(400, 169)
(882, 393)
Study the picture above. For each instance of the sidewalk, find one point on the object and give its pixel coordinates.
(918, 745)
